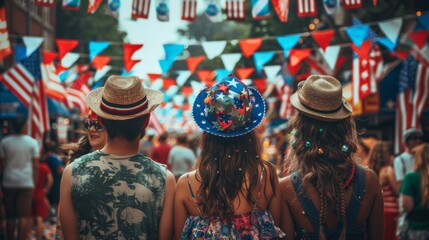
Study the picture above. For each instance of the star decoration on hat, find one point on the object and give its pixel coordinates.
(222, 87)
(233, 83)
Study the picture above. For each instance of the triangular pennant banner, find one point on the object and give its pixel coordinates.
(323, 38)
(282, 9)
(186, 90)
(249, 46)
(288, 42)
(96, 48)
(244, 73)
(165, 64)
(357, 33)
(206, 76)
(154, 76)
(179, 99)
(261, 58)
(260, 9)
(167, 83)
(100, 61)
(71, 5)
(331, 55)
(173, 50)
(424, 20)
(419, 37)
(221, 73)
(297, 55)
(129, 50)
(197, 87)
(230, 60)
(364, 49)
(387, 43)
(93, 5)
(31, 44)
(214, 48)
(293, 69)
(271, 72)
(65, 46)
(20, 53)
(182, 77)
(260, 84)
(391, 28)
(193, 62)
(69, 59)
(100, 73)
(49, 57)
(402, 54)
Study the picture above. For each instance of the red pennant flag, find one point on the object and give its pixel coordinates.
(49, 57)
(297, 55)
(186, 106)
(306, 8)
(154, 76)
(323, 38)
(419, 37)
(207, 76)
(402, 54)
(93, 5)
(65, 46)
(260, 84)
(187, 90)
(129, 50)
(168, 82)
(364, 49)
(5, 49)
(340, 61)
(140, 9)
(282, 9)
(100, 61)
(249, 46)
(293, 69)
(244, 73)
(352, 4)
(193, 62)
(44, 3)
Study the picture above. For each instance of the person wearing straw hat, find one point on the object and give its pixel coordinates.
(116, 192)
(327, 195)
(233, 194)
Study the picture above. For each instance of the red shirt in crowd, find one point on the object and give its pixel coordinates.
(160, 154)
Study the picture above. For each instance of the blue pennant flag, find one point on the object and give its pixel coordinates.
(424, 20)
(221, 73)
(357, 33)
(166, 64)
(387, 43)
(261, 58)
(126, 74)
(96, 48)
(288, 42)
(20, 53)
(173, 50)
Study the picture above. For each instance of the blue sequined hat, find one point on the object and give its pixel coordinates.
(229, 108)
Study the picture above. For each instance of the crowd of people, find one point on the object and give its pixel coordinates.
(123, 181)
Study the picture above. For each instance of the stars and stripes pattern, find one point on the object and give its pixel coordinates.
(282, 9)
(189, 10)
(44, 3)
(284, 91)
(54, 88)
(260, 9)
(236, 10)
(352, 4)
(78, 91)
(140, 9)
(413, 93)
(306, 8)
(5, 49)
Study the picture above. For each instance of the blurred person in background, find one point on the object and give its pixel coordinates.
(146, 143)
(181, 158)
(160, 153)
(380, 160)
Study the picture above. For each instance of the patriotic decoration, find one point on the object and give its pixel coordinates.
(412, 95)
(260, 9)
(113, 6)
(352, 4)
(44, 3)
(236, 10)
(5, 49)
(284, 91)
(330, 6)
(306, 8)
(71, 5)
(140, 9)
(93, 5)
(78, 91)
(189, 10)
(162, 10)
(213, 11)
(282, 9)
(54, 87)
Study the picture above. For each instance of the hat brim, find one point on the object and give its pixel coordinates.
(257, 115)
(342, 113)
(93, 101)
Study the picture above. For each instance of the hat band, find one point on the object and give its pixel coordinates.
(303, 102)
(120, 109)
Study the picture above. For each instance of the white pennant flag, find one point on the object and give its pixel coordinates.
(272, 72)
(100, 73)
(391, 28)
(183, 76)
(157, 84)
(179, 99)
(69, 59)
(32, 44)
(197, 87)
(331, 55)
(171, 91)
(230, 60)
(214, 48)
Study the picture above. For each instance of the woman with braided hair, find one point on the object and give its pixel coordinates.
(327, 195)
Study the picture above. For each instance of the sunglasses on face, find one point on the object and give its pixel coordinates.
(93, 123)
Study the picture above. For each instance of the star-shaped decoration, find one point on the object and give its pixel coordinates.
(198, 105)
(221, 109)
(254, 121)
(201, 114)
(259, 114)
(257, 105)
(222, 87)
(220, 96)
(206, 111)
(233, 83)
(203, 122)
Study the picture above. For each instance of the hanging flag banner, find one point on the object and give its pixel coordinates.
(101, 72)
(271, 72)
(96, 48)
(193, 62)
(357, 33)
(182, 77)
(69, 59)
(5, 49)
(236, 10)
(230, 60)
(71, 5)
(288, 42)
(330, 54)
(140, 9)
(262, 58)
(93, 5)
(306, 8)
(281, 7)
(165, 64)
(260, 9)
(213, 11)
(173, 50)
(391, 29)
(206, 76)
(352, 4)
(330, 6)
(424, 20)
(297, 55)
(65, 46)
(221, 73)
(387, 43)
(189, 10)
(44, 3)
(154, 76)
(250, 45)
(49, 56)
(129, 50)
(31, 44)
(244, 73)
(213, 48)
(20, 53)
(419, 37)
(162, 10)
(323, 38)
(100, 61)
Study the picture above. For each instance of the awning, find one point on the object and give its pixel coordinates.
(11, 107)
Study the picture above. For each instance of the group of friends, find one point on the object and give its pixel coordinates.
(111, 191)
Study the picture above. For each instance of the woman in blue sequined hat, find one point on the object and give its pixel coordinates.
(233, 193)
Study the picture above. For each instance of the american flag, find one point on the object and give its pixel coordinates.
(306, 8)
(236, 10)
(351, 4)
(25, 81)
(282, 9)
(284, 90)
(155, 124)
(54, 88)
(78, 91)
(140, 9)
(412, 96)
(189, 10)
(92, 5)
(5, 49)
(44, 3)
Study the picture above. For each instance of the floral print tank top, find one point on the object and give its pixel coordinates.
(118, 197)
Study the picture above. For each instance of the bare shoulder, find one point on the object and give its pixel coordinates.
(286, 186)
(182, 183)
(372, 181)
(170, 178)
(269, 170)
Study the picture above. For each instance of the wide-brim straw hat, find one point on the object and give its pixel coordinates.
(321, 97)
(123, 98)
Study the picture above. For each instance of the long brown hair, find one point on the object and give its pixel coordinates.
(379, 156)
(421, 165)
(327, 171)
(76, 150)
(225, 165)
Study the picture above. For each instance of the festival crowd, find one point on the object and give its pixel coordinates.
(316, 179)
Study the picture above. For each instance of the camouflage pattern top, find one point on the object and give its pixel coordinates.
(118, 197)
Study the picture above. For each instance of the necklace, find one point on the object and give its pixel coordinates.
(347, 183)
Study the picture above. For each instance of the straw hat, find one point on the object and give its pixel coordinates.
(229, 108)
(321, 97)
(123, 98)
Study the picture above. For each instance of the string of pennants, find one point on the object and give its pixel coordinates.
(235, 9)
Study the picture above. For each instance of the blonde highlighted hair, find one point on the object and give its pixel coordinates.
(421, 165)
